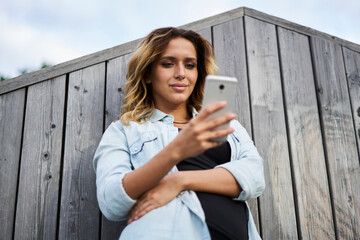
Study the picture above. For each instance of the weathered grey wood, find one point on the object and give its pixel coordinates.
(298, 28)
(206, 33)
(230, 54)
(115, 80)
(269, 129)
(231, 58)
(352, 66)
(115, 89)
(304, 131)
(339, 134)
(79, 213)
(11, 124)
(37, 205)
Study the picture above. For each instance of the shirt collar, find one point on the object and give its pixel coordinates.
(159, 115)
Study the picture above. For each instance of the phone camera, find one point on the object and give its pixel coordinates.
(221, 86)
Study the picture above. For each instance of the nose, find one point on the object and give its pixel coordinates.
(180, 72)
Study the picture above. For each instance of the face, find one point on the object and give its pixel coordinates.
(173, 76)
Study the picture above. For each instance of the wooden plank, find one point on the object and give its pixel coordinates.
(352, 66)
(276, 204)
(115, 80)
(115, 89)
(79, 213)
(206, 33)
(37, 207)
(229, 44)
(339, 135)
(304, 131)
(298, 28)
(11, 125)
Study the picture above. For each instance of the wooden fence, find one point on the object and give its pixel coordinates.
(298, 97)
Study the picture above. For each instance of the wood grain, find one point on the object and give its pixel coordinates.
(307, 152)
(352, 66)
(339, 134)
(277, 204)
(79, 213)
(11, 126)
(206, 33)
(115, 89)
(230, 56)
(115, 80)
(36, 212)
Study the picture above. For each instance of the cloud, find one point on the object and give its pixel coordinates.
(57, 31)
(22, 46)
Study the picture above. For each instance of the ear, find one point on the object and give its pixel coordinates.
(147, 80)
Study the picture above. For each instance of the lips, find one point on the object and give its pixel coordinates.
(179, 87)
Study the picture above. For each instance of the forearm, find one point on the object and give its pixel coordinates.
(218, 180)
(148, 176)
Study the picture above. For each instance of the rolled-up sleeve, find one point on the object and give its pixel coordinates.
(111, 164)
(246, 165)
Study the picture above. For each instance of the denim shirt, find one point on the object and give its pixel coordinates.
(125, 148)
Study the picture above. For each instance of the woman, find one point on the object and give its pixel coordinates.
(161, 132)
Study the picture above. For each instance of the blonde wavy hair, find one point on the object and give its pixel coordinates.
(138, 104)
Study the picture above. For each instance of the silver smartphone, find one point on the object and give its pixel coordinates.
(220, 88)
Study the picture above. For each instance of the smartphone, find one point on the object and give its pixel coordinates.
(220, 88)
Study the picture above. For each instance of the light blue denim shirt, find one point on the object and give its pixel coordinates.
(124, 148)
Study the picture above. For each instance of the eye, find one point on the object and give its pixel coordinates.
(166, 64)
(190, 65)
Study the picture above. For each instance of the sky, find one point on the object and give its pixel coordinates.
(54, 31)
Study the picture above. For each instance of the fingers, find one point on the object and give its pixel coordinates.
(213, 107)
(211, 124)
(138, 213)
(217, 133)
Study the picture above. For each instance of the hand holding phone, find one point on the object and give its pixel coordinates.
(220, 88)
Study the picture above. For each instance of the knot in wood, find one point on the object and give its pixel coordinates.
(46, 156)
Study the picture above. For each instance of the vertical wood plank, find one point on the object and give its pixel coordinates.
(79, 213)
(115, 89)
(277, 205)
(11, 125)
(206, 33)
(116, 77)
(307, 152)
(230, 54)
(338, 130)
(36, 212)
(352, 65)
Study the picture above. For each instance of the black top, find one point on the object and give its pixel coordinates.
(226, 218)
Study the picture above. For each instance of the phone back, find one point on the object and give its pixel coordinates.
(220, 88)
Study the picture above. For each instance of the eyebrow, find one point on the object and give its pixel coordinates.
(174, 59)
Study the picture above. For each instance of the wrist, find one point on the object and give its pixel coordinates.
(179, 181)
(174, 153)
